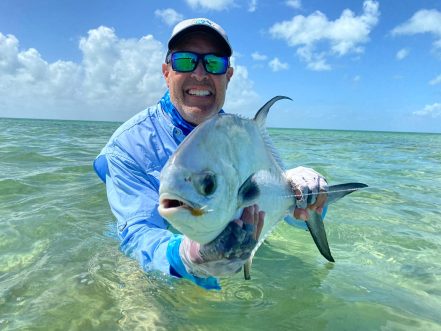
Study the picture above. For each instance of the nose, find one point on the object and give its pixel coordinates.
(199, 72)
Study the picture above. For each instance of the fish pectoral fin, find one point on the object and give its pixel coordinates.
(336, 192)
(318, 233)
(248, 192)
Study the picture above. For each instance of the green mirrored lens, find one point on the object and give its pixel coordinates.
(215, 64)
(187, 62)
(184, 62)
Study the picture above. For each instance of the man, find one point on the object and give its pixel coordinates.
(197, 71)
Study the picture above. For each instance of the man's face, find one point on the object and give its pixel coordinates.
(197, 95)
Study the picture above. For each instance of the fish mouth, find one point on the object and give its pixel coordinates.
(169, 204)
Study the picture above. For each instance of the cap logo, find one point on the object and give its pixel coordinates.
(192, 24)
(203, 21)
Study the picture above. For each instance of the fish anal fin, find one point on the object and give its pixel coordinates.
(247, 269)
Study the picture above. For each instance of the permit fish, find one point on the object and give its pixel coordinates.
(228, 163)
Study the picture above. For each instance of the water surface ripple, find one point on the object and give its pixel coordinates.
(60, 267)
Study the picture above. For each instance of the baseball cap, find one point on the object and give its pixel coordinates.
(199, 24)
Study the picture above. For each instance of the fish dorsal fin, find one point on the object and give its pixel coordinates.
(269, 145)
(260, 119)
(262, 113)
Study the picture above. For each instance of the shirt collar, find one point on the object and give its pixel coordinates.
(176, 118)
(177, 126)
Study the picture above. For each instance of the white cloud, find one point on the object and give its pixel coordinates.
(258, 57)
(115, 79)
(276, 65)
(210, 5)
(169, 16)
(241, 96)
(402, 53)
(296, 4)
(252, 6)
(433, 110)
(117, 68)
(436, 80)
(345, 35)
(314, 61)
(356, 78)
(423, 21)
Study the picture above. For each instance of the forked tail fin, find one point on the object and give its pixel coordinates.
(315, 223)
(336, 192)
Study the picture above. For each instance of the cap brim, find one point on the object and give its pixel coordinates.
(203, 28)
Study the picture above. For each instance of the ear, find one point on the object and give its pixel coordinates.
(229, 74)
(166, 72)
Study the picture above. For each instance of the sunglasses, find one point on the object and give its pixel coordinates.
(188, 61)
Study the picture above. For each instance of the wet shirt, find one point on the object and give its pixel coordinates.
(130, 165)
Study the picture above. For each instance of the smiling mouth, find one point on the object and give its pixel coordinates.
(199, 92)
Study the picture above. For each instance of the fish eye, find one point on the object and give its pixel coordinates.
(207, 183)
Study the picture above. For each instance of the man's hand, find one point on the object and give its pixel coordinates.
(310, 189)
(229, 251)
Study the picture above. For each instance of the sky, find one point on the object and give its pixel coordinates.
(347, 65)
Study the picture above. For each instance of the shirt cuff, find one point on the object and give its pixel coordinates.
(300, 223)
(177, 268)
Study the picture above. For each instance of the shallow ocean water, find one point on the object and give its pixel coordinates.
(61, 269)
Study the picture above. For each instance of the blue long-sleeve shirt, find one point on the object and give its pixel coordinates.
(130, 165)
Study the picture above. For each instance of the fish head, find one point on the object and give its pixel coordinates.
(200, 182)
(208, 180)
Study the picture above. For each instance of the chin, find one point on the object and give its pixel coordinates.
(197, 114)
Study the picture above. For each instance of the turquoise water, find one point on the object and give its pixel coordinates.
(60, 267)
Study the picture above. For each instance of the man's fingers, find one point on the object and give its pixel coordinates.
(321, 199)
(239, 222)
(301, 214)
(259, 227)
(319, 203)
(252, 220)
(248, 214)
